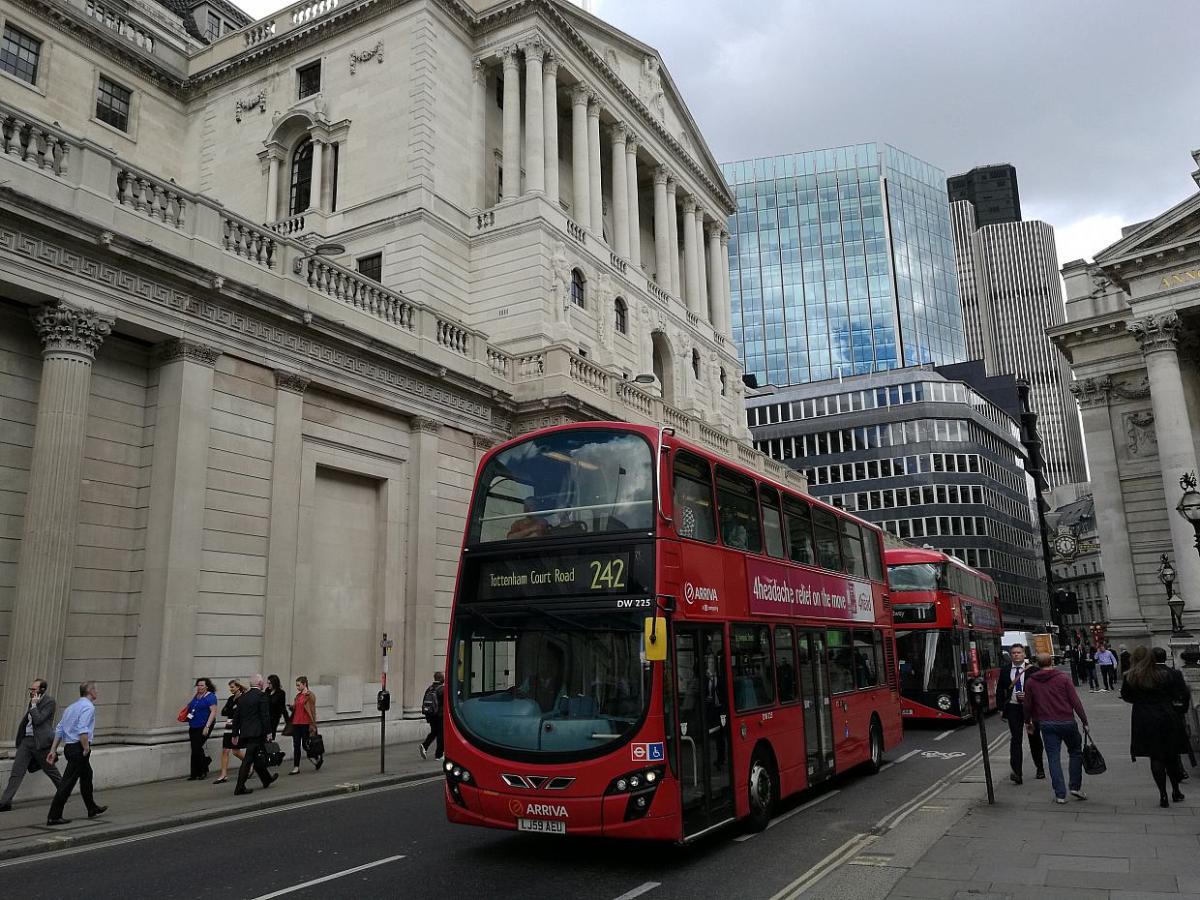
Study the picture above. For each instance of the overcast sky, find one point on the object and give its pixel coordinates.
(1094, 102)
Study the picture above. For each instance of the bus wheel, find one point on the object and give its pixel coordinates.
(764, 792)
(875, 763)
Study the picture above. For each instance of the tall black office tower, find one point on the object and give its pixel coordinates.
(992, 190)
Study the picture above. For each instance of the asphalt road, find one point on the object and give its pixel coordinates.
(399, 842)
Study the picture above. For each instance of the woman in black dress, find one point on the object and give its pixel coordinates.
(1156, 729)
(236, 689)
(277, 700)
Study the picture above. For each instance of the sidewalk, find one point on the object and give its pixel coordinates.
(1117, 845)
(164, 804)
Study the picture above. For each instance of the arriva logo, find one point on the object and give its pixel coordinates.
(546, 809)
(691, 594)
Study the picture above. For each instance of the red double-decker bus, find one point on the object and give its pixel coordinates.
(948, 630)
(651, 641)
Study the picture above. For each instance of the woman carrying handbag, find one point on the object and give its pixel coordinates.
(1156, 728)
(304, 726)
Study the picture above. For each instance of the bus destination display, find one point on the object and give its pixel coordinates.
(556, 575)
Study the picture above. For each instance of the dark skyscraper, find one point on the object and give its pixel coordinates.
(992, 190)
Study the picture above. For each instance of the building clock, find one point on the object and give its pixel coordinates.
(1066, 546)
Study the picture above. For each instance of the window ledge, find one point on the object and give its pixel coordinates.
(37, 89)
(128, 135)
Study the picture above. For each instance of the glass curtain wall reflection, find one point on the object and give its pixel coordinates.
(841, 262)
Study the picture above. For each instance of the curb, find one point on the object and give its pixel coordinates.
(15, 850)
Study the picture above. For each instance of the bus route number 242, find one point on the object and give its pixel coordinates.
(608, 576)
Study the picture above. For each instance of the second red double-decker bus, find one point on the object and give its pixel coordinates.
(948, 630)
(650, 641)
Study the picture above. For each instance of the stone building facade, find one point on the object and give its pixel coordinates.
(266, 294)
(1130, 337)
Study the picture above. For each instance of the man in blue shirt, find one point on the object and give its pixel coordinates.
(75, 732)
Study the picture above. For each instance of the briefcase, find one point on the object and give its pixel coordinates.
(275, 756)
(1093, 759)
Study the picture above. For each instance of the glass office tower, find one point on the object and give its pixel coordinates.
(841, 262)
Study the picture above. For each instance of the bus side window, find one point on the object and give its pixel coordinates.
(772, 520)
(881, 672)
(874, 558)
(852, 548)
(825, 526)
(692, 499)
(866, 667)
(785, 663)
(799, 527)
(841, 661)
(737, 509)
(753, 680)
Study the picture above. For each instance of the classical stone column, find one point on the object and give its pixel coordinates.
(635, 215)
(166, 624)
(70, 338)
(702, 266)
(662, 249)
(620, 190)
(286, 473)
(479, 131)
(673, 284)
(550, 124)
(272, 189)
(726, 290)
(420, 587)
(1125, 616)
(510, 170)
(535, 137)
(691, 260)
(716, 294)
(580, 165)
(595, 186)
(316, 194)
(1158, 336)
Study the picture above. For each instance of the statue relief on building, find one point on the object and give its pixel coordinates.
(650, 88)
(1140, 439)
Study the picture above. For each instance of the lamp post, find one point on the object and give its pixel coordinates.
(1189, 504)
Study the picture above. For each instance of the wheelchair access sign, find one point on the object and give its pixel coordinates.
(652, 752)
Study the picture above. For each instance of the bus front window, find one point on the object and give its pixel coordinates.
(917, 577)
(589, 481)
(547, 682)
(926, 660)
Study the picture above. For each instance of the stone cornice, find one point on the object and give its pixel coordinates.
(1157, 333)
(290, 382)
(427, 425)
(1091, 392)
(482, 442)
(182, 348)
(63, 328)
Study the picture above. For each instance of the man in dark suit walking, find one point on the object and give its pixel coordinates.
(251, 725)
(35, 734)
(1010, 695)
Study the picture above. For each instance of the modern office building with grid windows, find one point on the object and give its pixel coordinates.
(841, 262)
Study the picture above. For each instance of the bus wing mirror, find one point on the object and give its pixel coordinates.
(655, 639)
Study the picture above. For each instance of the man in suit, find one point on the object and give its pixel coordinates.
(35, 734)
(1010, 695)
(251, 725)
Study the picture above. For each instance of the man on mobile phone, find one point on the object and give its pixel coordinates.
(35, 734)
(75, 733)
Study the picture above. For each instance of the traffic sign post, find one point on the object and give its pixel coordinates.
(979, 703)
(383, 702)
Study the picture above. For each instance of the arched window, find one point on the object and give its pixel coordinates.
(577, 294)
(621, 316)
(696, 363)
(301, 184)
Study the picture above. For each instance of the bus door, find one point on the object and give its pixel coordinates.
(704, 726)
(818, 711)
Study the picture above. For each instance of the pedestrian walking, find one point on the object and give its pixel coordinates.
(35, 734)
(1009, 697)
(1181, 703)
(304, 724)
(74, 734)
(1156, 728)
(1072, 655)
(1087, 659)
(200, 714)
(236, 689)
(1051, 705)
(1107, 661)
(251, 725)
(277, 702)
(431, 709)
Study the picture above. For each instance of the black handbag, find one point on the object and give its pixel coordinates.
(275, 756)
(1093, 759)
(316, 746)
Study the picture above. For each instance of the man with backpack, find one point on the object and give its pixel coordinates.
(431, 709)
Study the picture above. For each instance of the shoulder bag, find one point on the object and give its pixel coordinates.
(1093, 759)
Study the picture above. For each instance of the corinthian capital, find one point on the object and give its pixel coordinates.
(511, 57)
(533, 49)
(1092, 392)
(581, 94)
(616, 131)
(65, 328)
(1158, 332)
(661, 175)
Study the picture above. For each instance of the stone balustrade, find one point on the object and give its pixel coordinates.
(114, 21)
(33, 142)
(575, 230)
(658, 293)
(453, 336)
(156, 198)
(248, 241)
(635, 399)
(259, 32)
(500, 363)
(313, 9)
(289, 226)
(588, 374)
(357, 290)
(530, 367)
(618, 263)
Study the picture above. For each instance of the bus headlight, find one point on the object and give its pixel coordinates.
(641, 787)
(456, 775)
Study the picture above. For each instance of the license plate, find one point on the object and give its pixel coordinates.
(543, 826)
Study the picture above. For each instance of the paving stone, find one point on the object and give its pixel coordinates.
(928, 888)
(1082, 863)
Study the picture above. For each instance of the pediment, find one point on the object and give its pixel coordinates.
(1178, 225)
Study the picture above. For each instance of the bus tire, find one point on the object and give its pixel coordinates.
(763, 787)
(875, 745)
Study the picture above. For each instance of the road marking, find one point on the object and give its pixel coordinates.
(639, 890)
(886, 766)
(909, 755)
(787, 815)
(335, 875)
(945, 734)
(824, 867)
(942, 754)
(209, 823)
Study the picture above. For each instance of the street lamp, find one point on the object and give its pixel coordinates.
(1189, 504)
(1166, 574)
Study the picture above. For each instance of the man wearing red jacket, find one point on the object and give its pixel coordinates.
(1051, 705)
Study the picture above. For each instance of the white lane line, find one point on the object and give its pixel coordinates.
(909, 755)
(945, 734)
(886, 766)
(209, 823)
(335, 875)
(824, 867)
(639, 890)
(787, 815)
